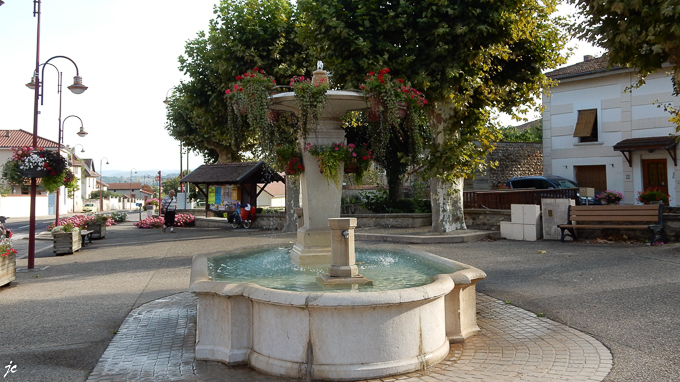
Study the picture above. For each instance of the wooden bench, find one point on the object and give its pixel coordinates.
(86, 234)
(648, 216)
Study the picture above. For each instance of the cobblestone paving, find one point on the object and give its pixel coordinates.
(155, 343)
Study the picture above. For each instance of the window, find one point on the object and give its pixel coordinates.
(586, 126)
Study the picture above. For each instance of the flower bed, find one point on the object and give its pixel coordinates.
(181, 220)
(81, 221)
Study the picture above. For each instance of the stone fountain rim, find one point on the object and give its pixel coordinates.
(442, 284)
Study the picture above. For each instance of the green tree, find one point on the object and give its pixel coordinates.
(170, 184)
(469, 57)
(244, 34)
(643, 34)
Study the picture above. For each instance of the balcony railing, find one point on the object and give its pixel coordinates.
(502, 199)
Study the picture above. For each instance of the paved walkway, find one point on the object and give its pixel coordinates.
(156, 343)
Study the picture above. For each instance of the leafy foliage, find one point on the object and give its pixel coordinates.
(643, 34)
(533, 134)
(467, 57)
(244, 34)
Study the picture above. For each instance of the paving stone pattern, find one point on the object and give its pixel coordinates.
(155, 343)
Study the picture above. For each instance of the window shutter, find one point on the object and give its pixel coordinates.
(585, 123)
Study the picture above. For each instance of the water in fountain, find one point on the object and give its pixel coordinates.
(388, 269)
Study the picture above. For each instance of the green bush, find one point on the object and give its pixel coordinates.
(378, 202)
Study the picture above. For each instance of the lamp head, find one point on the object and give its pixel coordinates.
(167, 101)
(31, 85)
(77, 87)
(82, 133)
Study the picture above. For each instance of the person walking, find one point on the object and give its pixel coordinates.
(169, 206)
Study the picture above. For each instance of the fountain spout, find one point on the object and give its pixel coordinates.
(343, 269)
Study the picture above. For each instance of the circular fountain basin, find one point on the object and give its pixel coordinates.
(331, 334)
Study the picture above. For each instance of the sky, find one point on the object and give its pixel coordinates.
(126, 52)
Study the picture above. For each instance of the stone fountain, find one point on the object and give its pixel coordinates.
(332, 335)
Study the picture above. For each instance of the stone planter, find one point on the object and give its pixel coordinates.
(66, 242)
(8, 266)
(99, 230)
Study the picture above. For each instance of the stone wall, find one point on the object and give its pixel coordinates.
(514, 159)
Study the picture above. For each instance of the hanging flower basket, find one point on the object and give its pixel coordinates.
(33, 173)
(351, 168)
(401, 109)
(373, 114)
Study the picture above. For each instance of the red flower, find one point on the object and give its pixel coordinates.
(255, 69)
(400, 80)
(371, 73)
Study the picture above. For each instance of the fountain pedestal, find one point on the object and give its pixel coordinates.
(343, 269)
(320, 197)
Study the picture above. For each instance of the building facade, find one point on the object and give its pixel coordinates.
(602, 132)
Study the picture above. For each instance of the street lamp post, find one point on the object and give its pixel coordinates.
(73, 155)
(101, 185)
(81, 134)
(76, 88)
(131, 181)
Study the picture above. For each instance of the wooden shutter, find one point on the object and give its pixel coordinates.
(585, 123)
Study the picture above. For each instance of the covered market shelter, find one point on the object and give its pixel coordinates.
(224, 184)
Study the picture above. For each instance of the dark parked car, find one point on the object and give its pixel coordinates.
(547, 182)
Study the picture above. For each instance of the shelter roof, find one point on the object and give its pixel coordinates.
(233, 173)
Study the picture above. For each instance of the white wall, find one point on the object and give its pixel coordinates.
(19, 206)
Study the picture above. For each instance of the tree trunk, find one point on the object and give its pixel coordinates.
(447, 205)
(446, 197)
(292, 202)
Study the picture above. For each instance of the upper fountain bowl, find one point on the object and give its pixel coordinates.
(339, 103)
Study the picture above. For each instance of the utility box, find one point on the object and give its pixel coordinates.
(555, 212)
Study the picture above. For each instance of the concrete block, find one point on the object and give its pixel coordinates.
(514, 231)
(531, 232)
(517, 213)
(506, 227)
(531, 214)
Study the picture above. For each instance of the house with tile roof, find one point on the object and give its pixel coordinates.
(133, 190)
(274, 195)
(605, 134)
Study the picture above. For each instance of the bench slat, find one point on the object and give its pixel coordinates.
(603, 226)
(616, 212)
(653, 207)
(614, 218)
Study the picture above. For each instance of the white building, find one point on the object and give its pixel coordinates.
(599, 132)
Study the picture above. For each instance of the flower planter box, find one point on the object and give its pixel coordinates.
(8, 266)
(66, 242)
(34, 173)
(99, 230)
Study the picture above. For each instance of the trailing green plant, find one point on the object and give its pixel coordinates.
(330, 157)
(310, 99)
(257, 87)
(11, 174)
(71, 182)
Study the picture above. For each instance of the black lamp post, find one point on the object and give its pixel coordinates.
(131, 182)
(81, 133)
(101, 185)
(76, 88)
